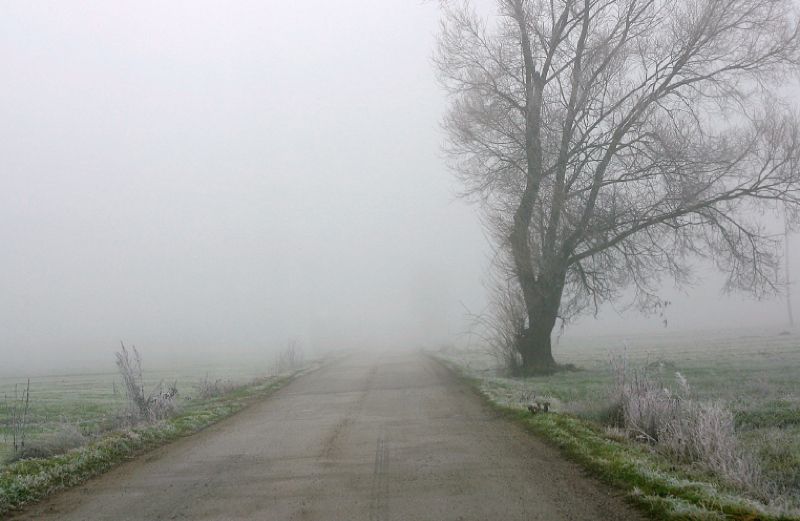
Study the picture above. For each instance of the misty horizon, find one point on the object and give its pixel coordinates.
(207, 178)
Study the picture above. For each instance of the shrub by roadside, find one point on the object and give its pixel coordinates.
(666, 414)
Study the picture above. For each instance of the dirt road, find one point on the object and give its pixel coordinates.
(374, 437)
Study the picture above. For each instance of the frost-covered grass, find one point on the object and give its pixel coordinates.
(91, 403)
(28, 480)
(755, 374)
(92, 406)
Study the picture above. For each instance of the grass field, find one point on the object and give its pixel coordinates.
(755, 372)
(91, 402)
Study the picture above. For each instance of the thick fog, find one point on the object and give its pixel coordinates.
(216, 177)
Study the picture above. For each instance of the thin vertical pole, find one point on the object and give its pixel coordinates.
(787, 267)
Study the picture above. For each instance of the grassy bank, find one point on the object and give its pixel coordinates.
(29, 480)
(90, 403)
(759, 384)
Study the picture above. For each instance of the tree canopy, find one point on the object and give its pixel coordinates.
(611, 142)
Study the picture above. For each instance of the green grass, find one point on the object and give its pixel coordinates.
(651, 481)
(29, 480)
(778, 450)
(754, 372)
(93, 401)
(779, 413)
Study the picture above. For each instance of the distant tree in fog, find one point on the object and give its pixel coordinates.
(610, 141)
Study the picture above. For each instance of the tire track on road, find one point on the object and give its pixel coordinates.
(379, 497)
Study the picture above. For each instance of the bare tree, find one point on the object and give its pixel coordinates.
(129, 364)
(611, 141)
(291, 359)
(159, 404)
(501, 325)
(16, 412)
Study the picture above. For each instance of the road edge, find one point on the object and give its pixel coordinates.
(646, 481)
(30, 481)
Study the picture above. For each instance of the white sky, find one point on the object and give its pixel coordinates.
(218, 176)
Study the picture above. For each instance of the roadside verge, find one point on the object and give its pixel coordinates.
(30, 480)
(649, 480)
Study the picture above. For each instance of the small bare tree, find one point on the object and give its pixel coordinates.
(17, 414)
(158, 404)
(502, 324)
(611, 141)
(129, 364)
(291, 359)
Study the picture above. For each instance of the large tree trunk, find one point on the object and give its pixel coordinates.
(542, 301)
(536, 348)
